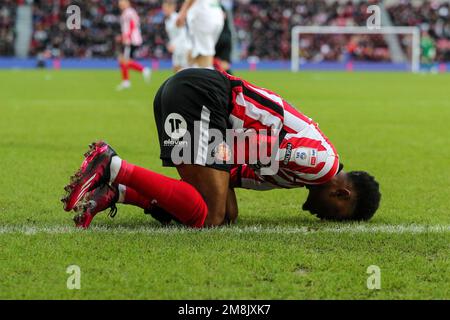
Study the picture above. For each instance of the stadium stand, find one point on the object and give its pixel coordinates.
(262, 28)
(432, 16)
(7, 17)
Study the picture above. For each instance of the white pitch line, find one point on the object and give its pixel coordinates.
(349, 229)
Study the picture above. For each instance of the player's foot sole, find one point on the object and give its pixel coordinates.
(95, 201)
(93, 171)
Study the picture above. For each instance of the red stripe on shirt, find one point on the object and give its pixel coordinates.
(303, 142)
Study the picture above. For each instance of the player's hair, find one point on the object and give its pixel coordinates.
(367, 195)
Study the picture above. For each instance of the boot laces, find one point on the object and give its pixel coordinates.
(113, 211)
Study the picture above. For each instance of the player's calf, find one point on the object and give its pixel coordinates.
(179, 198)
(103, 166)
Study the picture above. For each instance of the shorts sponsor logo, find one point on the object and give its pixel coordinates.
(175, 126)
(171, 143)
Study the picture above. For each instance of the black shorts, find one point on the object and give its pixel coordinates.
(192, 115)
(129, 51)
(223, 47)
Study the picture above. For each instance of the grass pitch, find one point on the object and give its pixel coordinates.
(393, 125)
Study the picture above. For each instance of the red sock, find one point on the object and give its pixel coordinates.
(135, 65)
(179, 198)
(134, 198)
(124, 70)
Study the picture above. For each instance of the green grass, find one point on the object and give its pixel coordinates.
(393, 125)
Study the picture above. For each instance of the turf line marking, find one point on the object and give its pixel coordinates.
(346, 229)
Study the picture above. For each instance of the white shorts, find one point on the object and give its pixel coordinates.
(205, 27)
(180, 58)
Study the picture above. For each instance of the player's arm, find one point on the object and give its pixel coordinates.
(245, 177)
(126, 31)
(242, 177)
(181, 20)
(132, 27)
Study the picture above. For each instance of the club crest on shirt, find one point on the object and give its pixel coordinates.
(306, 157)
(222, 152)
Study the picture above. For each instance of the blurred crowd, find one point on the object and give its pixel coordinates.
(434, 19)
(7, 18)
(263, 28)
(99, 29)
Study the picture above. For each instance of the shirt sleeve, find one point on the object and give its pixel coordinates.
(245, 177)
(309, 155)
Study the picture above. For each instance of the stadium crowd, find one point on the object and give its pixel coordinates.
(263, 28)
(100, 27)
(432, 16)
(7, 18)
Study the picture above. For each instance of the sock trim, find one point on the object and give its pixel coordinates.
(122, 191)
(116, 164)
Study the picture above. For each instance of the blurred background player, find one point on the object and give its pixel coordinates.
(428, 48)
(224, 46)
(131, 40)
(205, 21)
(179, 44)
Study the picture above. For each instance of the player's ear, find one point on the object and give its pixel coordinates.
(343, 193)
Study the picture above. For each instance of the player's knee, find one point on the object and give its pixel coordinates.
(231, 216)
(216, 217)
(202, 216)
(213, 222)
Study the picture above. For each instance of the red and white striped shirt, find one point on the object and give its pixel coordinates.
(130, 26)
(305, 154)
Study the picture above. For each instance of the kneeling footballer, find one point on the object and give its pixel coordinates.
(195, 110)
